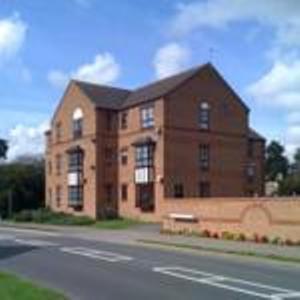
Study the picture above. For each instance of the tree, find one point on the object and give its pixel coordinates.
(297, 156)
(276, 162)
(24, 183)
(3, 148)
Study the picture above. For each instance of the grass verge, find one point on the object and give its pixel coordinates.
(116, 224)
(45, 216)
(14, 288)
(221, 251)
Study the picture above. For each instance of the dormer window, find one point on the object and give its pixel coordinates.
(77, 123)
(204, 116)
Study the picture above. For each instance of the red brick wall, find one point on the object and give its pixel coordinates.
(227, 138)
(273, 217)
(72, 99)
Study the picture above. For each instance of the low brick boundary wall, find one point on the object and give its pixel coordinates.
(271, 217)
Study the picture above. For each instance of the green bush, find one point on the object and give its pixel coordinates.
(241, 237)
(276, 241)
(48, 217)
(206, 233)
(227, 235)
(264, 239)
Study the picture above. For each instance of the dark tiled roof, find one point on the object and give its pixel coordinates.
(254, 135)
(118, 98)
(103, 96)
(159, 88)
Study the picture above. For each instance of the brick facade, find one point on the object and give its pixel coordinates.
(271, 217)
(109, 172)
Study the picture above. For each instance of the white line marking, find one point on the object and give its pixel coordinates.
(31, 231)
(229, 283)
(287, 296)
(37, 243)
(97, 254)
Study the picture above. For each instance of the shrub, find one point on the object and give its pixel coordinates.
(276, 241)
(289, 242)
(264, 239)
(206, 233)
(215, 235)
(23, 216)
(49, 217)
(227, 235)
(241, 237)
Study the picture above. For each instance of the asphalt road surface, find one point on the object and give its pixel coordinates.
(93, 270)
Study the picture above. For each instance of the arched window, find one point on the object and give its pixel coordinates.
(204, 115)
(77, 123)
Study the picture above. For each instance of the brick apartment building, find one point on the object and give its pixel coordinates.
(111, 149)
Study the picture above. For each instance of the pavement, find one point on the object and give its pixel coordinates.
(90, 265)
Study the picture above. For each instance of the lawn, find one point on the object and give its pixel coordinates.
(116, 224)
(14, 288)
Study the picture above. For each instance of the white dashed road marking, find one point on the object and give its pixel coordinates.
(96, 254)
(36, 243)
(229, 283)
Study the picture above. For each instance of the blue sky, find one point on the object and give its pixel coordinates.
(131, 42)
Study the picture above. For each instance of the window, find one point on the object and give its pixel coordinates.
(250, 173)
(204, 189)
(124, 156)
(75, 194)
(109, 155)
(147, 117)
(204, 157)
(49, 167)
(58, 164)
(58, 195)
(178, 190)
(144, 156)
(124, 195)
(75, 160)
(204, 116)
(250, 148)
(123, 120)
(109, 121)
(77, 123)
(108, 192)
(75, 168)
(58, 131)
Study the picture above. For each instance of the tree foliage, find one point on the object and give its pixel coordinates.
(25, 183)
(3, 148)
(276, 162)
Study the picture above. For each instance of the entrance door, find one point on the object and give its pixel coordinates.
(145, 196)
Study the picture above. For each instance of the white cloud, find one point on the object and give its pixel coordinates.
(58, 78)
(292, 139)
(12, 36)
(170, 59)
(280, 86)
(25, 140)
(103, 70)
(282, 15)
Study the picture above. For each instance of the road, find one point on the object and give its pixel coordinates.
(95, 270)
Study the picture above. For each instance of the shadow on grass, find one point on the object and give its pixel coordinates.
(8, 251)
